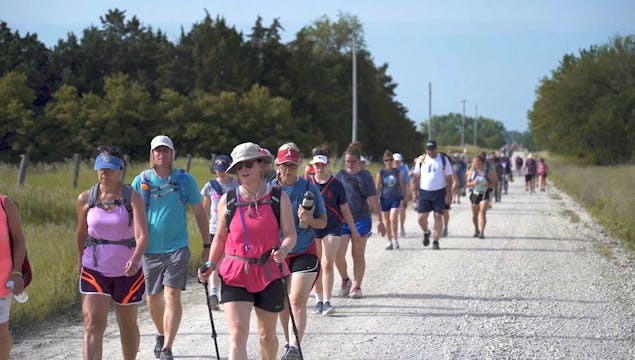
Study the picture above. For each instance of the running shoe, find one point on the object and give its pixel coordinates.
(345, 289)
(318, 308)
(389, 246)
(426, 238)
(395, 244)
(291, 353)
(476, 233)
(213, 302)
(158, 346)
(328, 308)
(356, 293)
(166, 354)
(444, 233)
(481, 236)
(435, 245)
(402, 233)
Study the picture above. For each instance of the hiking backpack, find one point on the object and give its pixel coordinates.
(232, 202)
(126, 193)
(178, 183)
(445, 159)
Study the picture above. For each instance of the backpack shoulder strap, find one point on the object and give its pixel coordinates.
(231, 208)
(276, 193)
(216, 186)
(126, 193)
(93, 194)
(183, 185)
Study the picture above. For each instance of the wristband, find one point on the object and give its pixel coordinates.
(207, 246)
(210, 264)
(286, 250)
(17, 273)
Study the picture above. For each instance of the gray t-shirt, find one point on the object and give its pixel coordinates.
(359, 187)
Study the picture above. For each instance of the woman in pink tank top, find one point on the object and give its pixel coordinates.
(249, 273)
(10, 266)
(111, 239)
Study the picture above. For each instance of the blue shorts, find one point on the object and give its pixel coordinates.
(363, 227)
(431, 201)
(389, 203)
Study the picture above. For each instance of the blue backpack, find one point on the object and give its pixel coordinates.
(178, 182)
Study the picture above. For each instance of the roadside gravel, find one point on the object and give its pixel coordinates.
(538, 286)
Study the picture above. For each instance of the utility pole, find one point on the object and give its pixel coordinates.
(463, 126)
(354, 137)
(475, 122)
(429, 111)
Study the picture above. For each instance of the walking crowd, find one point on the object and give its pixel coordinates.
(270, 237)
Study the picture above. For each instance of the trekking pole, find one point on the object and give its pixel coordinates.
(202, 269)
(286, 293)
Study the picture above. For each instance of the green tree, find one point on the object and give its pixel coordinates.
(17, 118)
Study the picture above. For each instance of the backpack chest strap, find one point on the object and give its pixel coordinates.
(91, 241)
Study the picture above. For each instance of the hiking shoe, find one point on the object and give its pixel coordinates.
(356, 294)
(481, 236)
(426, 238)
(345, 289)
(158, 346)
(402, 233)
(395, 244)
(328, 309)
(213, 302)
(166, 354)
(435, 245)
(291, 353)
(318, 308)
(444, 233)
(389, 246)
(476, 233)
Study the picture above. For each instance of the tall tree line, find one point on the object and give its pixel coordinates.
(586, 108)
(123, 82)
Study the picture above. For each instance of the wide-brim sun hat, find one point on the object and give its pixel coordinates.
(246, 151)
(108, 161)
(162, 140)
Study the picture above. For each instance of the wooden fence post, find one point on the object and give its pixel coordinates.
(75, 169)
(23, 165)
(189, 162)
(126, 159)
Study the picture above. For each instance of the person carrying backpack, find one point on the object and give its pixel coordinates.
(12, 253)
(112, 235)
(249, 236)
(212, 192)
(480, 181)
(166, 192)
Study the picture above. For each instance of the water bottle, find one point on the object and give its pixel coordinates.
(22, 298)
(307, 203)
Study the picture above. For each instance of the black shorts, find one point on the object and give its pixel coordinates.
(477, 198)
(303, 264)
(270, 299)
(529, 177)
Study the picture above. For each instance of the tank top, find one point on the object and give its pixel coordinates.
(108, 225)
(6, 261)
(258, 234)
(390, 187)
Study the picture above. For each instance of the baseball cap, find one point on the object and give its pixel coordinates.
(162, 140)
(364, 160)
(431, 144)
(222, 162)
(397, 157)
(288, 156)
(322, 159)
(108, 161)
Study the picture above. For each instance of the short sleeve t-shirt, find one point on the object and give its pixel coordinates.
(208, 191)
(432, 174)
(334, 196)
(167, 221)
(359, 187)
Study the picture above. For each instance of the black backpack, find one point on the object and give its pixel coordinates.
(126, 192)
(276, 193)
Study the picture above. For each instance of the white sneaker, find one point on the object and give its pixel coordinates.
(395, 244)
(402, 233)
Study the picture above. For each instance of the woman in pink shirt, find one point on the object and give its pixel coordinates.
(250, 278)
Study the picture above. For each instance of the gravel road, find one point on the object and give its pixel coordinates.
(539, 286)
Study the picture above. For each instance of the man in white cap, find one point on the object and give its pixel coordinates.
(405, 174)
(166, 191)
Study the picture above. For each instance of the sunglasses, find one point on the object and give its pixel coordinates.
(108, 149)
(388, 160)
(247, 164)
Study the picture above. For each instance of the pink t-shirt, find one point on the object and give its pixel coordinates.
(262, 234)
(108, 225)
(6, 261)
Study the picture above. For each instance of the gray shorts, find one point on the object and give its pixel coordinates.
(169, 269)
(5, 307)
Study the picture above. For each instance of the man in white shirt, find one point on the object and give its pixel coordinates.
(432, 175)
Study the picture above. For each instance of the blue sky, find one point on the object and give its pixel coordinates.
(490, 53)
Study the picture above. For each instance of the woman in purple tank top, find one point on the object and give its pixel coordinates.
(111, 239)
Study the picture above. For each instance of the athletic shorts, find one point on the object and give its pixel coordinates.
(5, 307)
(333, 230)
(123, 290)
(270, 299)
(477, 198)
(448, 207)
(363, 227)
(431, 201)
(388, 203)
(303, 263)
(529, 177)
(169, 269)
